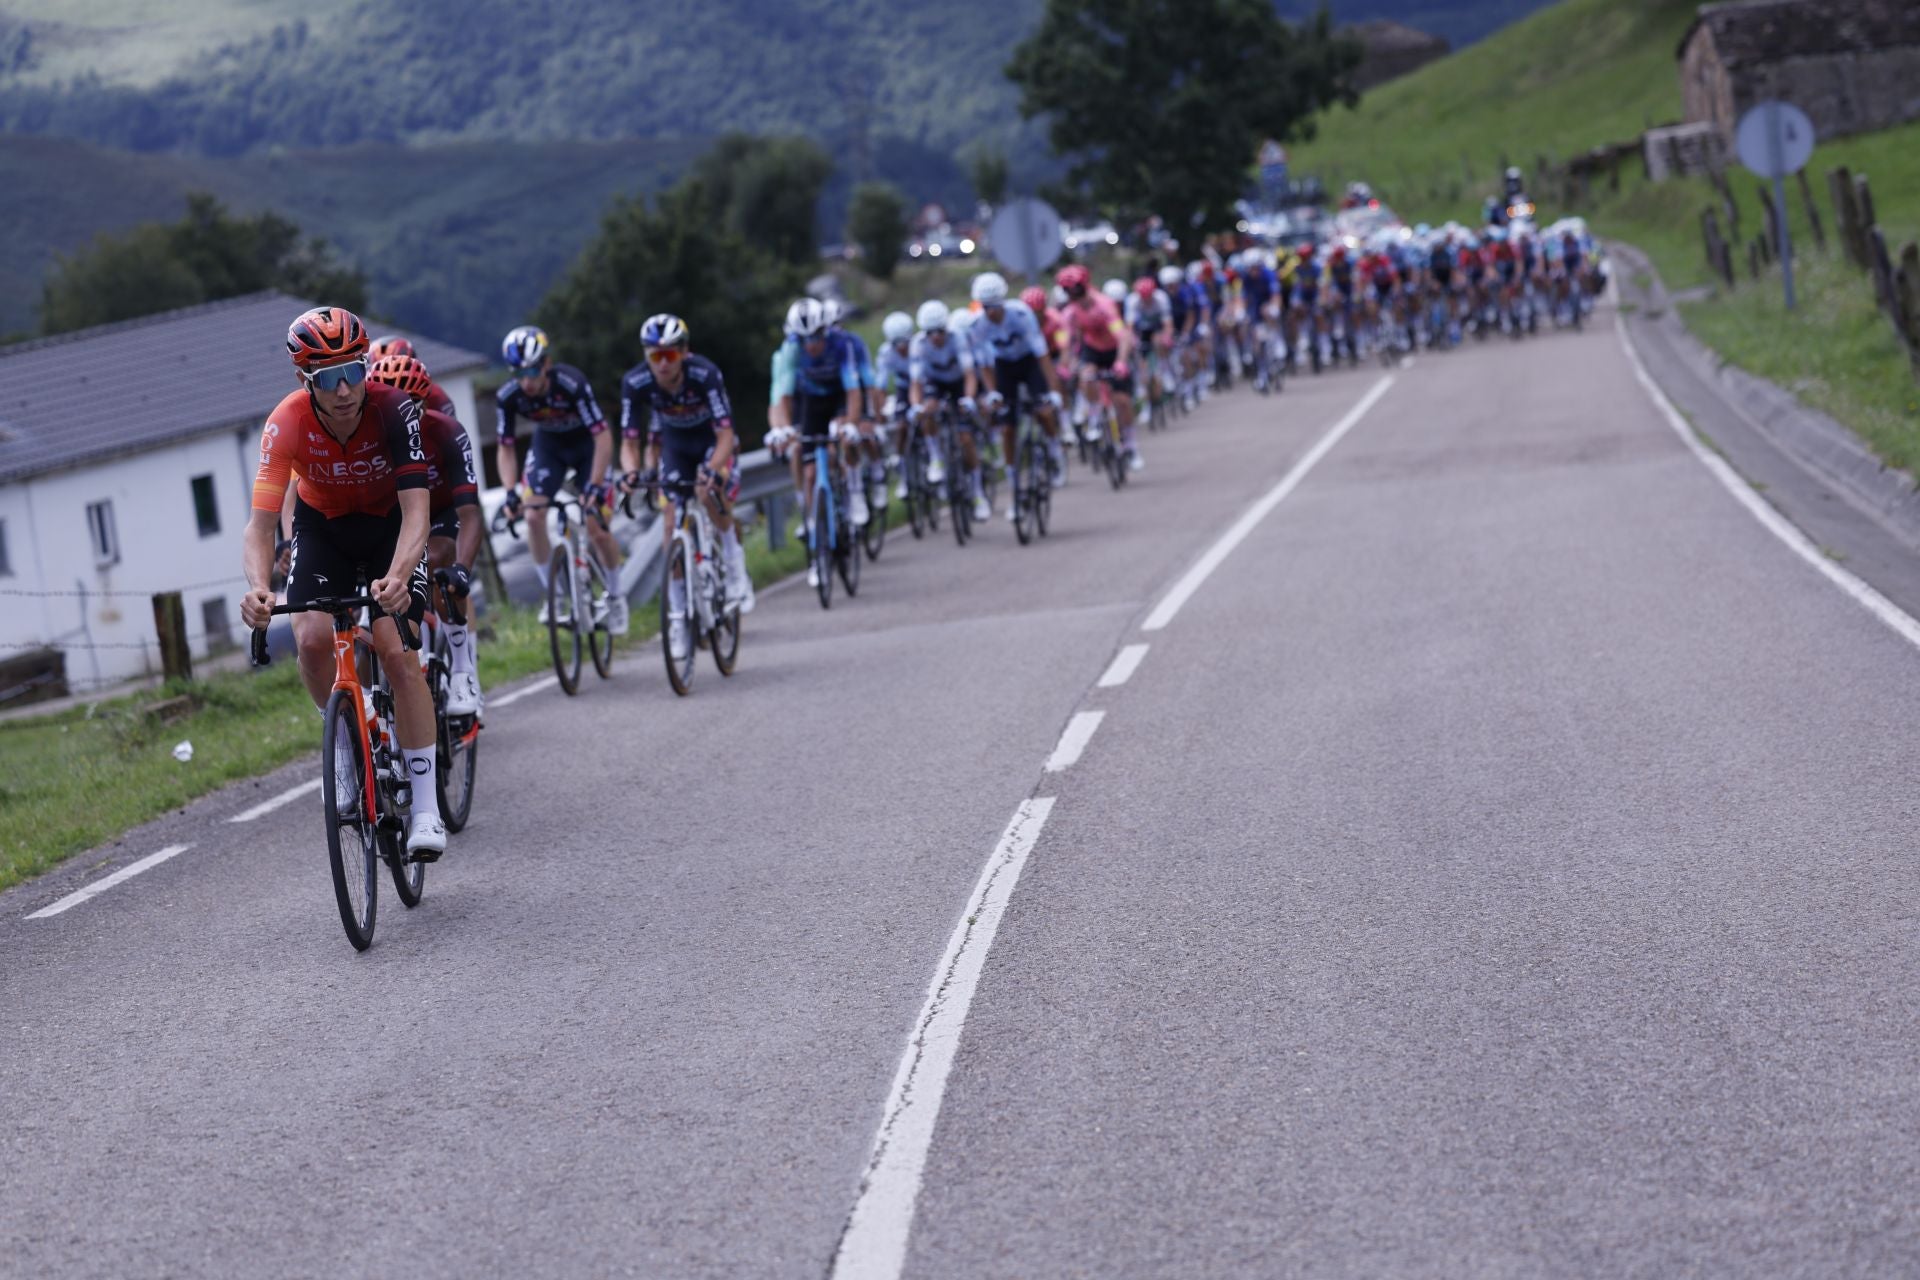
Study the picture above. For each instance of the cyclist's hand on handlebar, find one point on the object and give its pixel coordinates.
(967, 405)
(1054, 399)
(595, 497)
(394, 595)
(256, 608)
(460, 581)
(511, 505)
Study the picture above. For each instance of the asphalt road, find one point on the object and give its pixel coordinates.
(1498, 866)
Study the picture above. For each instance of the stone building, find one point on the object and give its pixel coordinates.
(1851, 65)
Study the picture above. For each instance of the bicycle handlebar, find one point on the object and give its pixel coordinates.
(409, 636)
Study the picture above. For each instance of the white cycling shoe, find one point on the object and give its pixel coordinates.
(617, 619)
(813, 574)
(936, 470)
(677, 639)
(857, 509)
(463, 694)
(739, 584)
(426, 834)
(982, 511)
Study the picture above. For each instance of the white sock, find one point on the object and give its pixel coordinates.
(457, 641)
(677, 596)
(540, 571)
(420, 766)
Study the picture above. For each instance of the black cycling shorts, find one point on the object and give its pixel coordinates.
(555, 455)
(816, 416)
(1009, 376)
(340, 556)
(446, 523)
(680, 471)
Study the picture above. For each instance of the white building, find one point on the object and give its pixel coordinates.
(127, 456)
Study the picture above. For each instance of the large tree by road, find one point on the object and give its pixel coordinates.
(1161, 104)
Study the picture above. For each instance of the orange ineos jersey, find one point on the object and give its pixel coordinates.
(364, 475)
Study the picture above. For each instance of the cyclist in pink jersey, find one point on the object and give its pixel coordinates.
(1102, 344)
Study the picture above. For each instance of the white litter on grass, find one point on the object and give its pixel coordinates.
(183, 752)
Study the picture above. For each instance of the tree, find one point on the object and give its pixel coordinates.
(206, 256)
(673, 257)
(987, 171)
(1160, 105)
(877, 222)
(767, 189)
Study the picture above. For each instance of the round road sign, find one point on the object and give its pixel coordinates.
(1027, 235)
(1774, 139)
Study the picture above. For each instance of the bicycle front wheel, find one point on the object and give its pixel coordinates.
(353, 851)
(563, 628)
(847, 555)
(820, 546)
(457, 738)
(679, 566)
(873, 534)
(599, 595)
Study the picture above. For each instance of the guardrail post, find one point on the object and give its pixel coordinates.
(170, 625)
(773, 509)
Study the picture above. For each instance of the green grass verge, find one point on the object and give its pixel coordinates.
(76, 779)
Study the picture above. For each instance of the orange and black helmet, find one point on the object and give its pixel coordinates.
(392, 345)
(404, 374)
(326, 335)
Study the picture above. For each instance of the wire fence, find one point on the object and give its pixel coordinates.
(91, 593)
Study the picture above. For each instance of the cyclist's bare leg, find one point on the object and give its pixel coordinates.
(412, 703)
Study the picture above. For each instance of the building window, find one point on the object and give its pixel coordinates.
(214, 624)
(6, 565)
(106, 538)
(205, 509)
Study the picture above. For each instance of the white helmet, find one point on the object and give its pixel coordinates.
(1115, 289)
(1196, 270)
(933, 315)
(990, 289)
(897, 327)
(807, 318)
(836, 310)
(1171, 277)
(962, 321)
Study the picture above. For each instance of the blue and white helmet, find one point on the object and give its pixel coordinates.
(897, 327)
(525, 347)
(663, 330)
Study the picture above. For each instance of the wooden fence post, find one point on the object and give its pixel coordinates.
(1753, 258)
(170, 626)
(1813, 211)
(1907, 277)
(1846, 221)
(1883, 293)
(1863, 207)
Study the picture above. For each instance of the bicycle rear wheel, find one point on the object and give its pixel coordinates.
(913, 466)
(846, 554)
(353, 852)
(724, 640)
(1024, 483)
(563, 629)
(1042, 482)
(679, 563)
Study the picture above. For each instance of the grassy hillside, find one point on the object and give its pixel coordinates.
(460, 240)
(1579, 74)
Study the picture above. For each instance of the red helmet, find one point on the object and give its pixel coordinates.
(1146, 288)
(404, 374)
(393, 345)
(1073, 277)
(326, 335)
(1035, 297)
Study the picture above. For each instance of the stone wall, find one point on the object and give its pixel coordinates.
(1842, 93)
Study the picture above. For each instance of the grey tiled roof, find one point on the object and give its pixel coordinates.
(125, 388)
(1758, 31)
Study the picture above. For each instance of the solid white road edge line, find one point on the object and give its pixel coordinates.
(874, 1244)
(100, 886)
(1074, 739)
(286, 797)
(537, 686)
(1163, 612)
(1125, 663)
(1897, 619)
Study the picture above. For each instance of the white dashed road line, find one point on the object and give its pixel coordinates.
(874, 1244)
(286, 797)
(1169, 606)
(494, 704)
(1074, 739)
(100, 886)
(1124, 664)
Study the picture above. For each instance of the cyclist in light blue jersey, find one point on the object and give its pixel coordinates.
(818, 393)
(1011, 355)
(942, 368)
(870, 401)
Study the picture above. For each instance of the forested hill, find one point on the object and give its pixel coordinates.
(222, 77)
